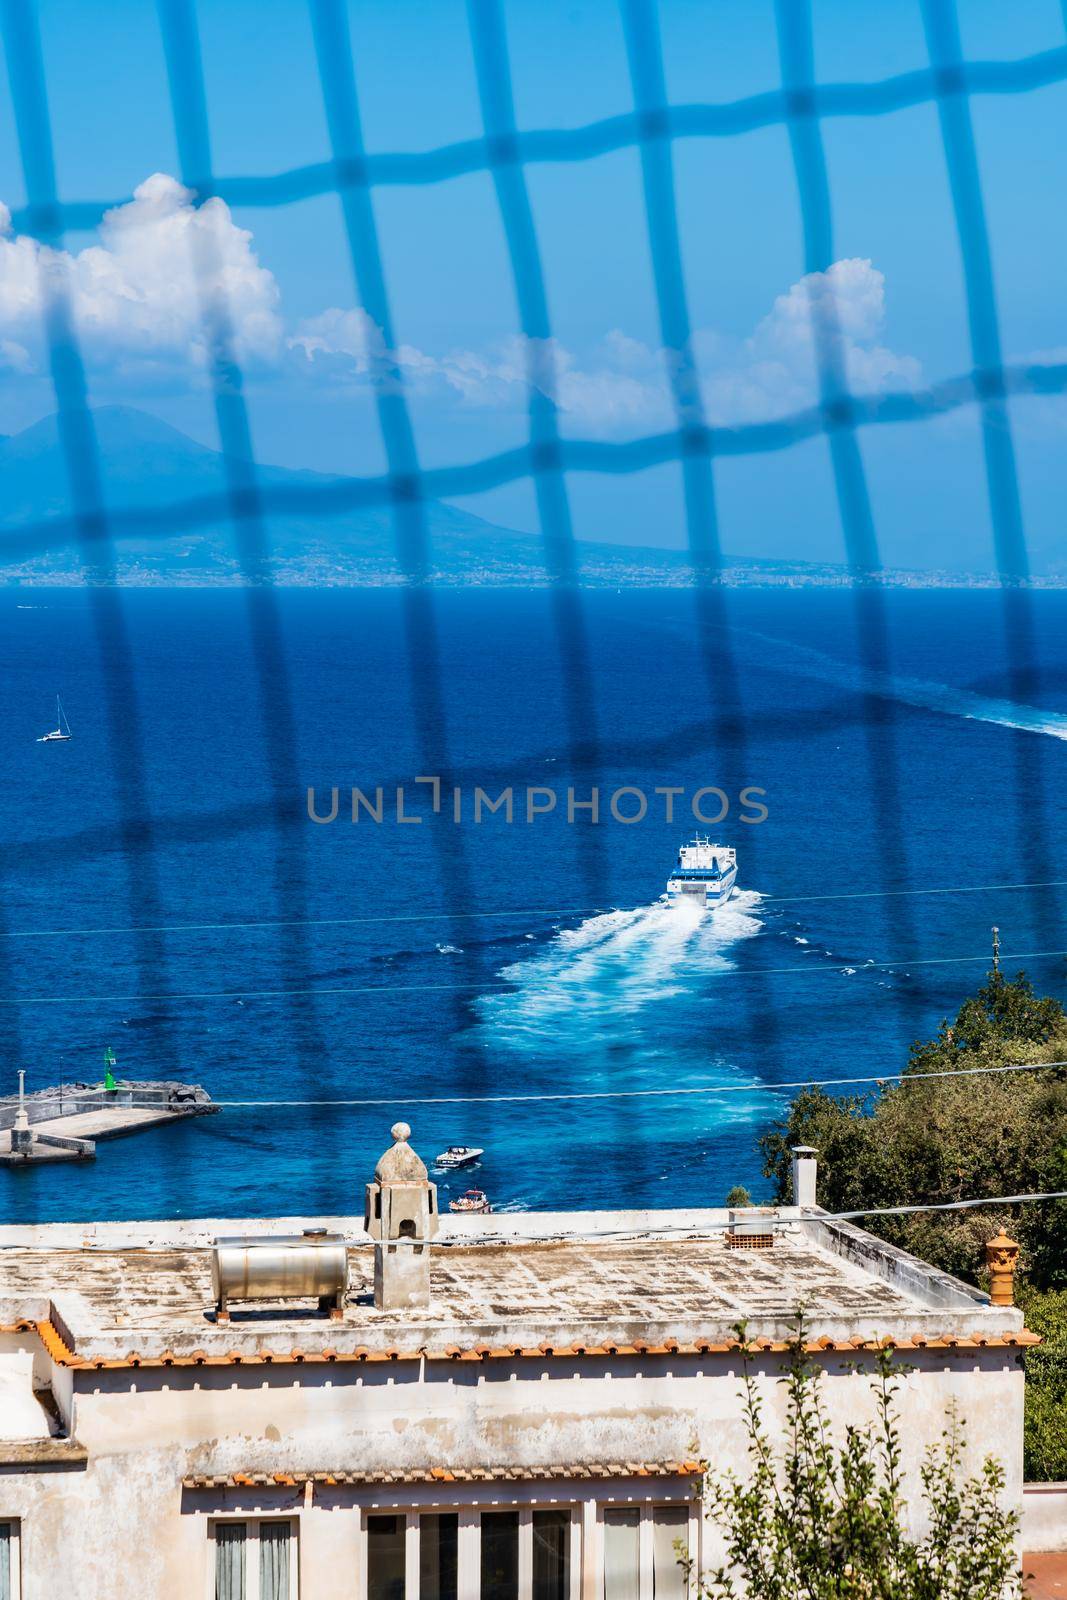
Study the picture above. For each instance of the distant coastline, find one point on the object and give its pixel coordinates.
(592, 574)
(169, 514)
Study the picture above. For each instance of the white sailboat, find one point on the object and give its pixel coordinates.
(61, 729)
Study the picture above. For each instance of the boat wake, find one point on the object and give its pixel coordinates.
(590, 983)
(926, 694)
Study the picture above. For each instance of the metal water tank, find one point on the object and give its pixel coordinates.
(311, 1265)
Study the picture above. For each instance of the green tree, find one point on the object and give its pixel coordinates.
(1045, 1420)
(822, 1521)
(943, 1139)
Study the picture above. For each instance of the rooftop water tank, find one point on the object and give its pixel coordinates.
(311, 1265)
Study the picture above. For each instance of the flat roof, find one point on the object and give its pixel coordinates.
(500, 1285)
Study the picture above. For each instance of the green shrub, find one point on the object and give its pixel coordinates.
(1045, 1425)
(945, 1139)
(819, 1521)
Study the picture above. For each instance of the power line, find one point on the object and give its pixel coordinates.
(817, 1216)
(951, 1205)
(476, 916)
(876, 894)
(679, 1230)
(313, 922)
(498, 985)
(906, 1077)
(653, 1094)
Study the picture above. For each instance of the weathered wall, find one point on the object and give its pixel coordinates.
(1045, 1516)
(138, 1537)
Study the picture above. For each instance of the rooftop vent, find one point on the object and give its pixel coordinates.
(751, 1228)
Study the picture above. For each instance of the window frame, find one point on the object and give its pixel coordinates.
(15, 1553)
(647, 1510)
(470, 1542)
(252, 1524)
(586, 1520)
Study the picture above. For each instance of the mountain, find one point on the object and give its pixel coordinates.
(148, 466)
(149, 470)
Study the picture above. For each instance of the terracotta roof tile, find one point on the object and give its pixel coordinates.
(512, 1472)
(64, 1356)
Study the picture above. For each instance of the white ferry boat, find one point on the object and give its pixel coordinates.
(704, 875)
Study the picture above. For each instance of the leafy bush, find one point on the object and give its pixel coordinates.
(823, 1522)
(941, 1139)
(1045, 1425)
(944, 1139)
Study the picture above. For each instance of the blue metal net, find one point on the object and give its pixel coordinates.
(695, 446)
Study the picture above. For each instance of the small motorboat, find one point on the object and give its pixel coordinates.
(61, 731)
(458, 1155)
(474, 1201)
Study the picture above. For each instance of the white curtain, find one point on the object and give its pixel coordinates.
(230, 1560)
(669, 1523)
(274, 1561)
(5, 1560)
(622, 1552)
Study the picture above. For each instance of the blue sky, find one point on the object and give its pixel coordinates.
(310, 354)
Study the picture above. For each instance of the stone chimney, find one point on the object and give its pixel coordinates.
(1002, 1255)
(401, 1217)
(805, 1174)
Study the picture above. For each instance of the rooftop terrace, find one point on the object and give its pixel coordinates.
(141, 1294)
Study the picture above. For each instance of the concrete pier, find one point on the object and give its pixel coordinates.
(64, 1123)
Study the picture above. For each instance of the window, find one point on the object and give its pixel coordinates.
(669, 1524)
(528, 1554)
(640, 1555)
(231, 1539)
(439, 1556)
(500, 1555)
(385, 1558)
(551, 1555)
(10, 1586)
(275, 1578)
(253, 1560)
(622, 1552)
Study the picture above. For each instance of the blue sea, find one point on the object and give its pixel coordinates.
(165, 893)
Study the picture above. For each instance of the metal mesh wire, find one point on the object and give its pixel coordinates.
(504, 151)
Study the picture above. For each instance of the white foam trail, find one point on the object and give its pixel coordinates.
(927, 695)
(614, 965)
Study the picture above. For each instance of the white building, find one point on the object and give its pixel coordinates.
(533, 1432)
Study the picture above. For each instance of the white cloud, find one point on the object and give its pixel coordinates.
(837, 315)
(1054, 357)
(163, 269)
(625, 385)
(849, 297)
(341, 333)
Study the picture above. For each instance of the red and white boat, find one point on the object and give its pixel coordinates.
(474, 1201)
